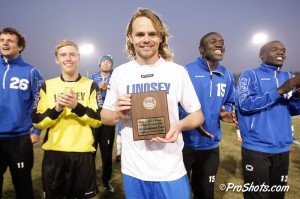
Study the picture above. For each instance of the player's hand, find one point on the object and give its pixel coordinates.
(103, 86)
(60, 103)
(123, 106)
(171, 136)
(289, 85)
(227, 116)
(34, 138)
(70, 99)
(203, 132)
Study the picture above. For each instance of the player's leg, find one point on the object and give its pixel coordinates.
(106, 148)
(172, 189)
(279, 174)
(83, 176)
(205, 171)
(189, 158)
(54, 168)
(135, 188)
(20, 156)
(3, 162)
(256, 167)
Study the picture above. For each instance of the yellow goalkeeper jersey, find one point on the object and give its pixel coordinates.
(69, 130)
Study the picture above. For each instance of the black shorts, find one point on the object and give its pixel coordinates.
(261, 169)
(69, 174)
(17, 154)
(202, 167)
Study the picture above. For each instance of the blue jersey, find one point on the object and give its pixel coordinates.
(214, 90)
(264, 115)
(99, 79)
(20, 84)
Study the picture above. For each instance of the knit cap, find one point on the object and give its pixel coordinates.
(106, 57)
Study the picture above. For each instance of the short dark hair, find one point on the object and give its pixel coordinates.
(205, 36)
(264, 47)
(13, 31)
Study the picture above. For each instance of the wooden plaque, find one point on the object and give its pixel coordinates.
(149, 115)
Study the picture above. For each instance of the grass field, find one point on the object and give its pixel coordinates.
(229, 170)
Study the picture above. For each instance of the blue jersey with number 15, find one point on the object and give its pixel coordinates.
(214, 90)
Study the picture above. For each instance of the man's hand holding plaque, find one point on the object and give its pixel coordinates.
(123, 106)
(149, 115)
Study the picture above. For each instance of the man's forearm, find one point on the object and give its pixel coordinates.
(108, 117)
(192, 121)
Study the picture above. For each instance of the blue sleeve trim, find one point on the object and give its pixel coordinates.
(36, 131)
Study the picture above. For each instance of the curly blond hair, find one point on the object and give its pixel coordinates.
(163, 49)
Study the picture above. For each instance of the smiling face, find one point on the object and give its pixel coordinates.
(273, 53)
(9, 46)
(212, 48)
(145, 40)
(68, 58)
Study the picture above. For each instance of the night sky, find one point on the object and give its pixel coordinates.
(102, 23)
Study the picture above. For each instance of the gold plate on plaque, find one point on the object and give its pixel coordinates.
(150, 115)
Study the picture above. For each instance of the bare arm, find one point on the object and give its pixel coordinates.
(192, 121)
(123, 105)
(108, 117)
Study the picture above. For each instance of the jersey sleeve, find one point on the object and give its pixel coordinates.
(230, 95)
(43, 116)
(249, 98)
(36, 81)
(91, 113)
(189, 100)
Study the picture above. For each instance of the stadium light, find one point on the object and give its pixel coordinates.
(259, 38)
(86, 49)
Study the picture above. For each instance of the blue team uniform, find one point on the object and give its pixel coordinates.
(20, 84)
(98, 79)
(264, 115)
(214, 90)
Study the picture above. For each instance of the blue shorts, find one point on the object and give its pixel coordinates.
(137, 189)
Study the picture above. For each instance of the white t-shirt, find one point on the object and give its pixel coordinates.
(146, 160)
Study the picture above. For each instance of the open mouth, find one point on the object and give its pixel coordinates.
(218, 52)
(5, 49)
(279, 58)
(146, 47)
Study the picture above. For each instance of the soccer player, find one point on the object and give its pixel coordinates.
(105, 134)
(151, 169)
(69, 106)
(266, 99)
(20, 83)
(214, 86)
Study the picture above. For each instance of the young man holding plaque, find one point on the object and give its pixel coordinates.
(151, 168)
(214, 86)
(69, 106)
(20, 84)
(266, 99)
(105, 134)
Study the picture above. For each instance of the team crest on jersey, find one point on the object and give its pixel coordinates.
(149, 103)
